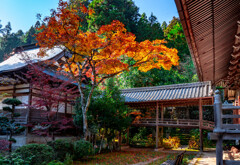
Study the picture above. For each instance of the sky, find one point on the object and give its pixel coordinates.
(22, 13)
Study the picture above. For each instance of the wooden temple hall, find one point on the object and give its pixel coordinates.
(157, 99)
(14, 84)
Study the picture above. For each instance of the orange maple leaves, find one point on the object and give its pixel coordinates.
(103, 53)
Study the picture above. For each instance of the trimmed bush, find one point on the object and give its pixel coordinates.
(82, 148)
(61, 148)
(40, 154)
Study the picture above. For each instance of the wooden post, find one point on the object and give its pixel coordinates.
(218, 127)
(29, 109)
(162, 117)
(200, 124)
(65, 108)
(218, 113)
(157, 129)
(219, 150)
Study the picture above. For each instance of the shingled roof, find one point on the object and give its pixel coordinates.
(168, 92)
(19, 58)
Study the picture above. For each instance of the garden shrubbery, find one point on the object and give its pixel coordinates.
(61, 151)
(61, 148)
(39, 153)
(82, 148)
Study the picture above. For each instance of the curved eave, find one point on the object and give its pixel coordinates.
(210, 27)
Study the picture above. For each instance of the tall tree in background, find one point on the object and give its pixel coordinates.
(102, 54)
(105, 11)
(175, 36)
(148, 28)
(9, 40)
(164, 25)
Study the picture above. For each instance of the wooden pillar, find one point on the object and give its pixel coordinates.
(200, 124)
(65, 108)
(30, 95)
(218, 127)
(219, 150)
(29, 105)
(157, 128)
(162, 117)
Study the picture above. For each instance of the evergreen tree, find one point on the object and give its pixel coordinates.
(11, 126)
(108, 10)
(164, 25)
(9, 40)
(29, 37)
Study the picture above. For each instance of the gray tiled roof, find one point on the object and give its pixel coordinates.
(168, 92)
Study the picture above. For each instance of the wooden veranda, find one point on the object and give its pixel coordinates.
(178, 95)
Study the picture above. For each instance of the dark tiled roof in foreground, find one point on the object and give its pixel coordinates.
(168, 92)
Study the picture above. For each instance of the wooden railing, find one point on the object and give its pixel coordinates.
(223, 131)
(183, 123)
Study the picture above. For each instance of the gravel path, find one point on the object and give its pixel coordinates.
(207, 158)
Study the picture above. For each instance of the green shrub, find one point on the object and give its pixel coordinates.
(82, 148)
(68, 160)
(55, 162)
(40, 154)
(61, 148)
(14, 159)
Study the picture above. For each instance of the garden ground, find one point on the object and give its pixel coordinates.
(209, 157)
(137, 157)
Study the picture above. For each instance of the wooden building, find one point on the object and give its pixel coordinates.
(15, 84)
(157, 98)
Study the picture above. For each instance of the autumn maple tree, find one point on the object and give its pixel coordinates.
(98, 55)
(51, 93)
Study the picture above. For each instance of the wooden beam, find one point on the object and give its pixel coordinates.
(225, 136)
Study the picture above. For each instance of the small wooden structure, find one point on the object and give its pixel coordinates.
(160, 97)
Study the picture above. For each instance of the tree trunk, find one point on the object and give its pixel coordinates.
(85, 103)
(85, 123)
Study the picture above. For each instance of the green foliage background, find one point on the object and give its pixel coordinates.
(144, 28)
